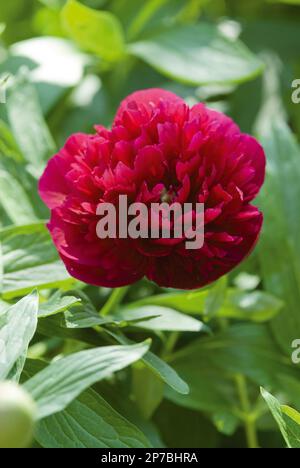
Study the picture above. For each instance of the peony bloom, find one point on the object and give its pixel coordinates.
(158, 149)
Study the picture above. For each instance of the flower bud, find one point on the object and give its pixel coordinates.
(17, 416)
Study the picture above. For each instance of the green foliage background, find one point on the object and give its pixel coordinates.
(142, 366)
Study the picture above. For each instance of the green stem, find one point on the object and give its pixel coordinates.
(170, 345)
(114, 300)
(249, 418)
(145, 14)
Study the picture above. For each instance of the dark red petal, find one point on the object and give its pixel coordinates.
(148, 98)
(53, 186)
(255, 155)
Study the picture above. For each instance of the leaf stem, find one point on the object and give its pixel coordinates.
(114, 300)
(248, 418)
(170, 345)
(145, 14)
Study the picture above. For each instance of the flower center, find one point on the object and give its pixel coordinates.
(167, 196)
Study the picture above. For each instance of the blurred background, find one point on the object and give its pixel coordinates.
(65, 66)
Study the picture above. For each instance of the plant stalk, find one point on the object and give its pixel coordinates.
(248, 419)
(142, 18)
(114, 300)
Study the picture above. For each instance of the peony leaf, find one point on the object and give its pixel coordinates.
(89, 422)
(152, 317)
(30, 260)
(17, 327)
(14, 199)
(57, 304)
(147, 389)
(198, 54)
(95, 31)
(208, 364)
(257, 306)
(54, 65)
(215, 298)
(56, 386)
(54, 326)
(159, 367)
(114, 392)
(29, 128)
(287, 418)
(279, 249)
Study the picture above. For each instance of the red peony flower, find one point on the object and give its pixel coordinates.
(158, 149)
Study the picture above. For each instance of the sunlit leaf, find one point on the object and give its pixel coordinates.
(17, 327)
(55, 387)
(287, 419)
(95, 31)
(198, 54)
(30, 260)
(89, 422)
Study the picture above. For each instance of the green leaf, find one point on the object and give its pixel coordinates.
(257, 306)
(2, 304)
(55, 4)
(3, 307)
(211, 390)
(54, 326)
(215, 298)
(187, 302)
(115, 393)
(86, 316)
(17, 327)
(30, 260)
(279, 248)
(95, 31)
(246, 282)
(79, 318)
(18, 200)
(55, 65)
(158, 366)
(55, 387)
(62, 64)
(8, 145)
(14, 199)
(165, 319)
(89, 422)
(148, 390)
(208, 364)
(198, 54)
(57, 304)
(287, 419)
(166, 373)
(29, 128)
(140, 17)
